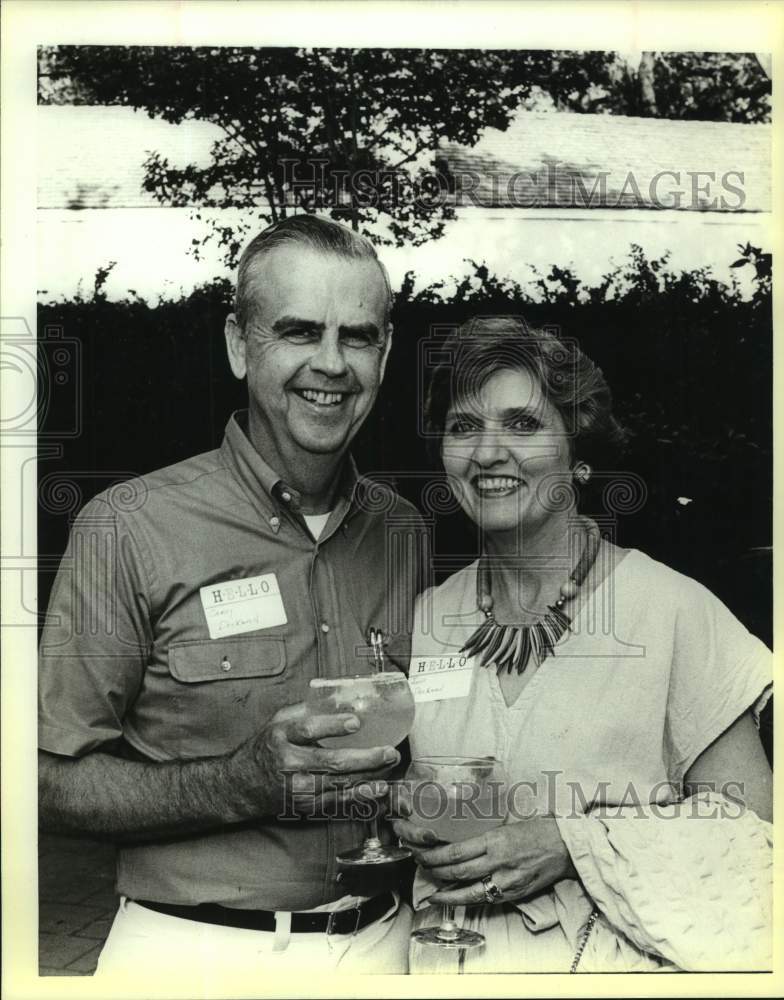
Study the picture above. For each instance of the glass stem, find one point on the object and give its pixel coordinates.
(448, 929)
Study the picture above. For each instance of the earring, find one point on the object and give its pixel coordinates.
(582, 473)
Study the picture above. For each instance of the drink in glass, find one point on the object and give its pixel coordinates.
(384, 705)
(457, 798)
(382, 702)
(457, 811)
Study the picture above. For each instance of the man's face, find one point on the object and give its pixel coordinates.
(314, 349)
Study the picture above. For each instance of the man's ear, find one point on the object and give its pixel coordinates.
(387, 349)
(236, 346)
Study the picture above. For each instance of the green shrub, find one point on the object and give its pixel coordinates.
(689, 360)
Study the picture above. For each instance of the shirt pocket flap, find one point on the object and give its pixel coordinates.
(227, 659)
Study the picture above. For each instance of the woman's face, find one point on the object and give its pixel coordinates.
(506, 451)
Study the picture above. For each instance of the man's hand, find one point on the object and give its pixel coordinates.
(281, 771)
(522, 858)
(286, 772)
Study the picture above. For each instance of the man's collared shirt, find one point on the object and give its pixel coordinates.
(190, 606)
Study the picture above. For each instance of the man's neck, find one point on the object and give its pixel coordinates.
(314, 477)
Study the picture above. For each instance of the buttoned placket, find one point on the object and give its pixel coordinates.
(321, 585)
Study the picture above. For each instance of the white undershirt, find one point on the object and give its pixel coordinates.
(316, 523)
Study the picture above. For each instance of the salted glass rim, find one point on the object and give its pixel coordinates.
(383, 677)
(454, 761)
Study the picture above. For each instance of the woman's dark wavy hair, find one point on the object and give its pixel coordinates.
(568, 378)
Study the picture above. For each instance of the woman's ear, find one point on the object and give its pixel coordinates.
(582, 473)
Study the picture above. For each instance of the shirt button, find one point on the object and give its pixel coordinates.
(286, 496)
(275, 522)
(324, 627)
(225, 663)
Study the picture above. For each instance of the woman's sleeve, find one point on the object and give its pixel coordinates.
(690, 882)
(719, 671)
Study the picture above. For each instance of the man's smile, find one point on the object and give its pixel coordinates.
(321, 398)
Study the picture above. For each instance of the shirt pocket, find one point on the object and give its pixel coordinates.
(197, 661)
(225, 690)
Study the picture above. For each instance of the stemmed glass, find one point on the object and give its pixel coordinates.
(384, 705)
(457, 798)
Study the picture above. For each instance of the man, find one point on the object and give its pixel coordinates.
(187, 621)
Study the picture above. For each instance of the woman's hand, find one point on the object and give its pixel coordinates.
(411, 834)
(522, 859)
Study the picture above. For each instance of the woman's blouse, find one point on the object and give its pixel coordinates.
(654, 669)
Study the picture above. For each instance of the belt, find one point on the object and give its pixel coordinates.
(337, 922)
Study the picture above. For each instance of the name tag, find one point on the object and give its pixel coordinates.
(433, 678)
(239, 606)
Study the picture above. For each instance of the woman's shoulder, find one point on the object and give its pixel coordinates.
(455, 590)
(647, 567)
(665, 585)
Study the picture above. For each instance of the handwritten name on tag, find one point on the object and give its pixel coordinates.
(433, 678)
(238, 606)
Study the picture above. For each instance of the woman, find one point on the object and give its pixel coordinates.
(620, 697)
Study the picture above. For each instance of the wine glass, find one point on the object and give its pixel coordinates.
(384, 705)
(457, 798)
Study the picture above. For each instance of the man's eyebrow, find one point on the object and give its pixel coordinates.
(286, 322)
(370, 329)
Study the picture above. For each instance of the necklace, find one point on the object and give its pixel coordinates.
(511, 646)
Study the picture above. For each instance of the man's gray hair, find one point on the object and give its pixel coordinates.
(306, 230)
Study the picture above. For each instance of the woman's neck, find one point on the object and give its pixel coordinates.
(529, 565)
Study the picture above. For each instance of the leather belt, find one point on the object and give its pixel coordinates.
(336, 922)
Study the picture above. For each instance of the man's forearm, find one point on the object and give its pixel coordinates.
(280, 769)
(108, 796)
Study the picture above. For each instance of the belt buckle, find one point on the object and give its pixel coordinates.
(337, 913)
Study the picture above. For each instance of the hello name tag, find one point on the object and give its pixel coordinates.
(434, 678)
(238, 606)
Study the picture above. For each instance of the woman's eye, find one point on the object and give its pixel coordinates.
(461, 427)
(526, 424)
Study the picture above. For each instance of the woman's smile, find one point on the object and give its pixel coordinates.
(505, 448)
(491, 487)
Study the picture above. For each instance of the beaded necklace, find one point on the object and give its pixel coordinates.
(511, 646)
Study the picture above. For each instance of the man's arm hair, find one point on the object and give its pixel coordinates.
(279, 769)
(109, 796)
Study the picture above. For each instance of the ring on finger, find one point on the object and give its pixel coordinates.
(492, 892)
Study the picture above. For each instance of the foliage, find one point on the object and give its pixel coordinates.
(712, 86)
(689, 359)
(351, 131)
(706, 86)
(762, 263)
(356, 132)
